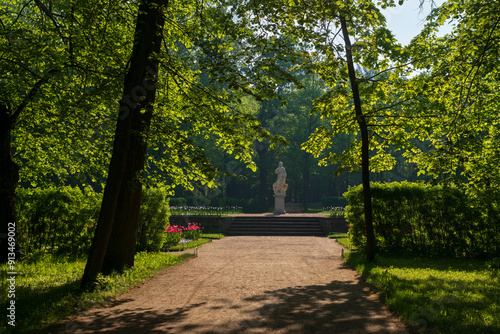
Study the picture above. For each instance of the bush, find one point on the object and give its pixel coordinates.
(153, 220)
(63, 220)
(59, 220)
(425, 220)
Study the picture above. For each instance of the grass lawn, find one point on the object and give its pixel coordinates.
(342, 239)
(47, 287)
(212, 236)
(205, 238)
(188, 245)
(437, 295)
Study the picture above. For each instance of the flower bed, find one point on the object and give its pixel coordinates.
(175, 233)
(335, 211)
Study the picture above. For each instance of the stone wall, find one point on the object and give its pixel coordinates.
(220, 224)
(333, 224)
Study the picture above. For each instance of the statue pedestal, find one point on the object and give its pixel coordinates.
(279, 204)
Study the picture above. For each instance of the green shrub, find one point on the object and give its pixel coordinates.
(59, 220)
(63, 220)
(425, 220)
(493, 263)
(153, 220)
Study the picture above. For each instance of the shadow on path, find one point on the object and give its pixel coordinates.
(249, 285)
(337, 307)
(136, 321)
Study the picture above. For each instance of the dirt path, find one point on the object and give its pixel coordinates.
(249, 285)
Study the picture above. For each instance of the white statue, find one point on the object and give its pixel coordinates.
(280, 187)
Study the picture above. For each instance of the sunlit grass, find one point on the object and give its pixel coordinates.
(341, 238)
(212, 235)
(437, 295)
(188, 245)
(47, 287)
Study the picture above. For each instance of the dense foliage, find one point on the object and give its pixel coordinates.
(153, 220)
(77, 49)
(63, 219)
(57, 219)
(455, 112)
(427, 220)
(234, 76)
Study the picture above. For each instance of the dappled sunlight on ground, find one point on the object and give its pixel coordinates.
(250, 285)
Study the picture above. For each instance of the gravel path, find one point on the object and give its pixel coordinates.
(249, 285)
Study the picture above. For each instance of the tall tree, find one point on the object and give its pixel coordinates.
(122, 194)
(48, 87)
(365, 142)
(172, 41)
(326, 28)
(9, 170)
(459, 83)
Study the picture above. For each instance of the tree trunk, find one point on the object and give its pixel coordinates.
(365, 158)
(9, 170)
(120, 252)
(9, 175)
(113, 246)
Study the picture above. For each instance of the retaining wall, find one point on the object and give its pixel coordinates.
(333, 224)
(220, 224)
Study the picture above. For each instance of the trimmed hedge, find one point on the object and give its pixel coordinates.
(54, 219)
(427, 220)
(153, 220)
(63, 220)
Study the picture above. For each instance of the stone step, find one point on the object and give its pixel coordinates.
(275, 218)
(276, 226)
(277, 223)
(276, 234)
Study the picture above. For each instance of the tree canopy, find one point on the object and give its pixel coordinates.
(241, 84)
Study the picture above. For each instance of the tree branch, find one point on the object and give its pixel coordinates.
(47, 12)
(477, 64)
(34, 90)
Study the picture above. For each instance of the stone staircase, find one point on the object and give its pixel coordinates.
(275, 226)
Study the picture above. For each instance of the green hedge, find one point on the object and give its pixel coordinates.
(63, 220)
(427, 220)
(56, 219)
(153, 220)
